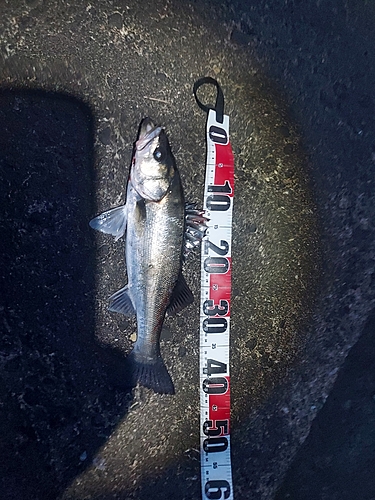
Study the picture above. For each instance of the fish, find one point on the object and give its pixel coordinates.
(161, 229)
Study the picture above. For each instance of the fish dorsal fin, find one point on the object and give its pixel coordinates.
(181, 296)
(111, 222)
(195, 227)
(121, 302)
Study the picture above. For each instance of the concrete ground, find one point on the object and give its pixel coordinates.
(75, 80)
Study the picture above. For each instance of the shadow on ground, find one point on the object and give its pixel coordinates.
(58, 406)
(337, 460)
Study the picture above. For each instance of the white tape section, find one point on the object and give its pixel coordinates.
(215, 309)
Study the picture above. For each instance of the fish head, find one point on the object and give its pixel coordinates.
(153, 163)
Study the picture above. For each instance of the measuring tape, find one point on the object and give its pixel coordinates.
(216, 270)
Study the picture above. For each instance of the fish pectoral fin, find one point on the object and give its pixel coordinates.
(111, 222)
(195, 227)
(121, 302)
(181, 296)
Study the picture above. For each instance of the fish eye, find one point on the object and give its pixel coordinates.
(158, 154)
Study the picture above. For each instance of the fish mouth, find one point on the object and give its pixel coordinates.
(147, 133)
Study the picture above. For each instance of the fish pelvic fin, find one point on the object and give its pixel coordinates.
(121, 302)
(181, 296)
(154, 375)
(112, 222)
(195, 228)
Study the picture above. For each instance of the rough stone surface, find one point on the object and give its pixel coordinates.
(75, 80)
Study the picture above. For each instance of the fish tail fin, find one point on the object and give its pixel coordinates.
(155, 375)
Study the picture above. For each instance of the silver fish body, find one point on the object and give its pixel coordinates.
(157, 224)
(153, 257)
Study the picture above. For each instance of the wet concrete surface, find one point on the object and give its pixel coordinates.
(76, 79)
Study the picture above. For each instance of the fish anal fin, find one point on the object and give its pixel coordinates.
(181, 296)
(121, 302)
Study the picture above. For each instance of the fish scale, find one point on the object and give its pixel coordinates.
(153, 264)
